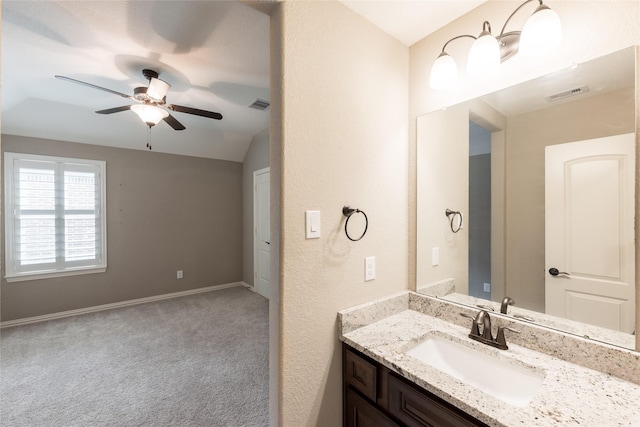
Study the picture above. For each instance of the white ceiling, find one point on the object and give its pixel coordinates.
(411, 20)
(215, 54)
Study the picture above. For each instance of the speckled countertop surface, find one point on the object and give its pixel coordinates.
(570, 395)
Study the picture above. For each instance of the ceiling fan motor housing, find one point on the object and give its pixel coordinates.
(149, 74)
(140, 93)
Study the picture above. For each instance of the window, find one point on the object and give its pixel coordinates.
(55, 216)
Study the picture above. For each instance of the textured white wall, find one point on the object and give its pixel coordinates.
(343, 140)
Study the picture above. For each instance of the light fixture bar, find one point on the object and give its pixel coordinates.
(542, 32)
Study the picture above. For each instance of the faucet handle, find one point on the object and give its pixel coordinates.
(474, 326)
(502, 343)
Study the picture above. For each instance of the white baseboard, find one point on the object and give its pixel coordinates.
(62, 314)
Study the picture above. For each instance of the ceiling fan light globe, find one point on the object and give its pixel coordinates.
(157, 89)
(541, 33)
(149, 114)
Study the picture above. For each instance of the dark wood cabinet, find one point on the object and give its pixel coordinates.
(376, 396)
(361, 413)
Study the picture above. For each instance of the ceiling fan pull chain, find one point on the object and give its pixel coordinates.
(149, 138)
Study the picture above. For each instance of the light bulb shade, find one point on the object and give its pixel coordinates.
(149, 114)
(541, 33)
(484, 54)
(157, 88)
(444, 72)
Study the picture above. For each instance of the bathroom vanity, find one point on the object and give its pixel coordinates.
(376, 396)
(391, 376)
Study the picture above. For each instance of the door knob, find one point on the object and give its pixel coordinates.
(554, 272)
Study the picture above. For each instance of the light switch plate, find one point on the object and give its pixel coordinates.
(435, 256)
(369, 268)
(312, 224)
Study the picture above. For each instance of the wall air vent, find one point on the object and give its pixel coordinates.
(568, 93)
(260, 104)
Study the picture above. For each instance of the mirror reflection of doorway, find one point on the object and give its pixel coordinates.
(479, 217)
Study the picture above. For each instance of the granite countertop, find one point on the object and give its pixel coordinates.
(570, 394)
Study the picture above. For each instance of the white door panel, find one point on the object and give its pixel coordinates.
(262, 236)
(589, 231)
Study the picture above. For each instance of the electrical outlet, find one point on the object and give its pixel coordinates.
(369, 268)
(487, 287)
(179, 274)
(435, 256)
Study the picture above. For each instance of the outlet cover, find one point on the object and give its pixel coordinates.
(487, 287)
(179, 274)
(369, 268)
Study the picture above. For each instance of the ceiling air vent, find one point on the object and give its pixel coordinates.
(260, 104)
(568, 93)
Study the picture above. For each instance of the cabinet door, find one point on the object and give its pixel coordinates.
(361, 413)
(416, 408)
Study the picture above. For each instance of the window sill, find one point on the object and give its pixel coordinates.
(52, 275)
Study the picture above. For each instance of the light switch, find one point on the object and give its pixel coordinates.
(313, 224)
(435, 256)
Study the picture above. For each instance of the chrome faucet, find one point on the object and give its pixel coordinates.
(506, 302)
(483, 318)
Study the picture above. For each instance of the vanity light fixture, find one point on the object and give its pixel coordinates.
(541, 33)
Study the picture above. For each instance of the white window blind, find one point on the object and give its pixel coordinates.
(54, 216)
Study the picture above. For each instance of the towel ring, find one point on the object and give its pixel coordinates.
(452, 216)
(348, 212)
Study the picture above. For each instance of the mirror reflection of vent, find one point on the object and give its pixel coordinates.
(568, 93)
(260, 104)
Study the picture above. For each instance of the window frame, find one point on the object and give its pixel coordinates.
(68, 269)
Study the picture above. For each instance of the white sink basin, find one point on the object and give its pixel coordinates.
(513, 384)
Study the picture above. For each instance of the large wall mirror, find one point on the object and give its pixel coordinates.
(529, 193)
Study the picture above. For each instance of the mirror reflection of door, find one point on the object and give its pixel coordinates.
(479, 216)
(589, 231)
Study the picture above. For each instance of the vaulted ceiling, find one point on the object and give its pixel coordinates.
(214, 54)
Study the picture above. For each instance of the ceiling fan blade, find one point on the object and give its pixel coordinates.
(171, 121)
(196, 111)
(94, 86)
(114, 110)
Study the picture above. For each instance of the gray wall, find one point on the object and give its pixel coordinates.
(479, 224)
(257, 158)
(164, 213)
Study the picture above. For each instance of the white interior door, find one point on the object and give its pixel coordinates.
(261, 236)
(589, 231)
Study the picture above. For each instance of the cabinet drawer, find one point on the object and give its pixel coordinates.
(415, 408)
(361, 375)
(361, 413)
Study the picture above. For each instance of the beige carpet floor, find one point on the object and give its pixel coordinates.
(199, 360)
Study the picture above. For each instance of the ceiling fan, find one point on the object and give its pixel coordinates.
(152, 102)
